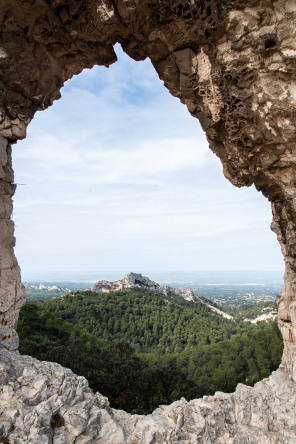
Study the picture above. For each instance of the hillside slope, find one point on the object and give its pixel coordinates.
(137, 280)
(144, 318)
(140, 381)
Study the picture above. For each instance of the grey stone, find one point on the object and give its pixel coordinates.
(233, 65)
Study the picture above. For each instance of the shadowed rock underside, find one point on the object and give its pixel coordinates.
(232, 63)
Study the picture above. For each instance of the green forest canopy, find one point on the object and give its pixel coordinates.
(142, 349)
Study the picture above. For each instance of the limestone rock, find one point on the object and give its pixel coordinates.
(232, 63)
(137, 280)
(42, 402)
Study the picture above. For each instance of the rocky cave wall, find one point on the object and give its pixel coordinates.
(231, 62)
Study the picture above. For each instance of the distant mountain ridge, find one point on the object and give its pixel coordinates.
(137, 280)
(42, 287)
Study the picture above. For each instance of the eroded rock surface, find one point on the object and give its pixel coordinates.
(232, 63)
(12, 292)
(42, 402)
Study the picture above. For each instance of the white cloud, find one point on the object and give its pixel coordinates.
(96, 164)
(118, 172)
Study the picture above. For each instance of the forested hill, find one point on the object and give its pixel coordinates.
(136, 280)
(143, 349)
(143, 318)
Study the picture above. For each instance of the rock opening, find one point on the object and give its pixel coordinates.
(233, 65)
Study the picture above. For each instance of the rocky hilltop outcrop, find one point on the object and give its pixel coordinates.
(137, 280)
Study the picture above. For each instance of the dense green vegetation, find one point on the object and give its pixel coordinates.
(144, 319)
(142, 349)
(39, 296)
(252, 311)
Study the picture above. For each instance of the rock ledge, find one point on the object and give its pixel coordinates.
(42, 402)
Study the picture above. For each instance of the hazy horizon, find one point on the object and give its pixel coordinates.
(214, 277)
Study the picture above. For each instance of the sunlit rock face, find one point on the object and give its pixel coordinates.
(232, 63)
(137, 280)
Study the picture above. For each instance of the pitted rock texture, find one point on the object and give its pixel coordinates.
(232, 63)
(42, 402)
(12, 292)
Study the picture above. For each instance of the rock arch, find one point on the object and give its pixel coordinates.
(232, 64)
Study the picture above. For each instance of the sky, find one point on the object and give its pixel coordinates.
(117, 175)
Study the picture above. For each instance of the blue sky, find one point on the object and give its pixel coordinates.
(119, 176)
